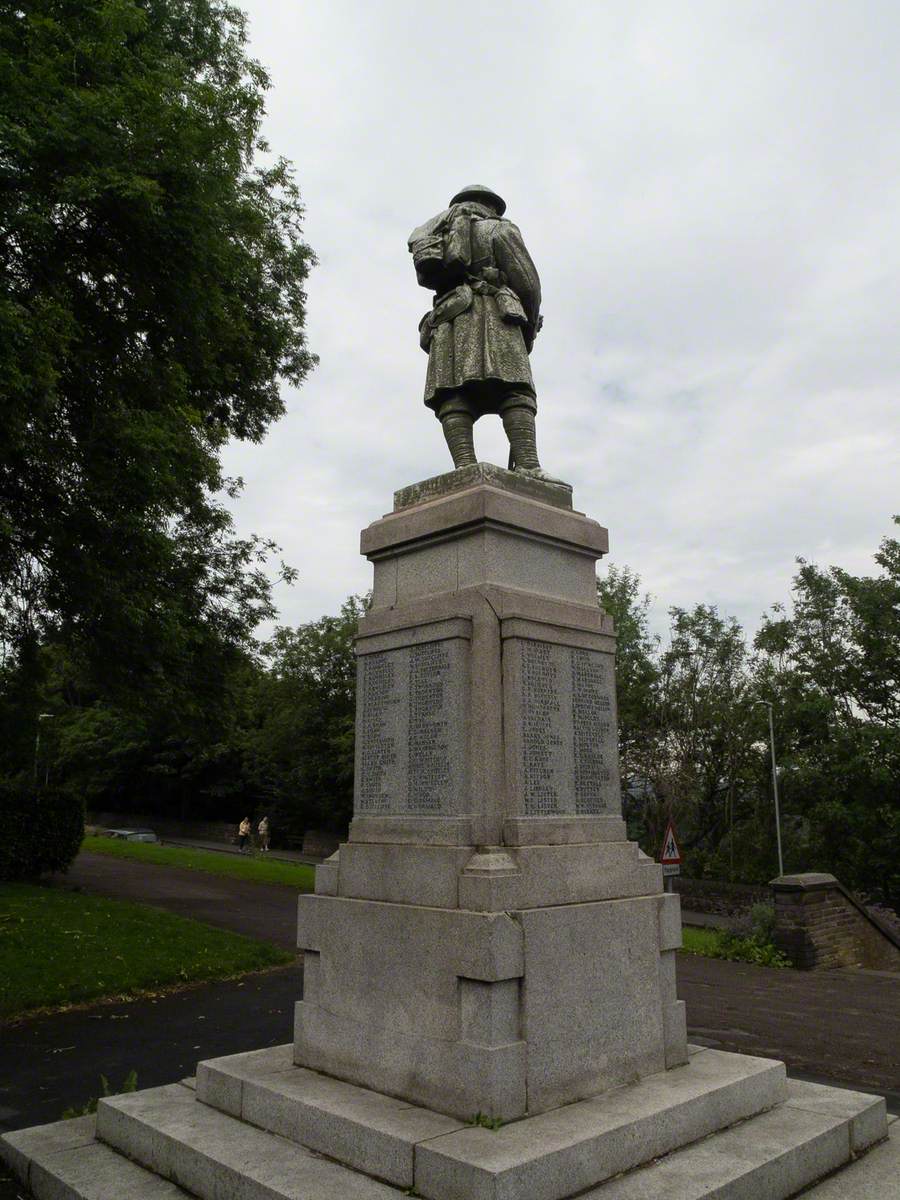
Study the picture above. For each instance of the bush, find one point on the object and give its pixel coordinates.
(733, 946)
(750, 949)
(762, 920)
(41, 830)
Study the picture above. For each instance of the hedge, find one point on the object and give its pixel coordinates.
(40, 830)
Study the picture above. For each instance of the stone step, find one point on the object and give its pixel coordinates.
(769, 1157)
(362, 1129)
(774, 1156)
(63, 1161)
(214, 1156)
(546, 1157)
(875, 1176)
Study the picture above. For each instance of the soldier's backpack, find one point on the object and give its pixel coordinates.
(442, 248)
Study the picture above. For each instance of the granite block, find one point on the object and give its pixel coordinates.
(489, 1012)
(550, 831)
(875, 1176)
(365, 1130)
(592, 1010)
(327, 874)
(463, 478)
(383, 1007)
(427, 875)
(542, 876)
(770, 1157)
(449, 1076)
(213, 1155)
(219, 1090)
(463, 511)
(20, 1146)
(560, 1153)
(867, 1114)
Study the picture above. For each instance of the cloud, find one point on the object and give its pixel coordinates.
(710, 194)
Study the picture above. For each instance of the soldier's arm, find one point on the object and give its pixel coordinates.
(521, 273)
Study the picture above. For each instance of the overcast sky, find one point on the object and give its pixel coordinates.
(710, 190)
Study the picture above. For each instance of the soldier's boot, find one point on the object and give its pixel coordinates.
(520, 429)
(457, 427)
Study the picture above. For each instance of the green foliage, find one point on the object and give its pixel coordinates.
(695, 739)
(833, 666)
(60, 947)
(302, 743)
(717, 943)
(129, 1084)
(153, 299)
(750, 949)
(42, 829)
(258, 869)
(485, 1122)
(762, 921)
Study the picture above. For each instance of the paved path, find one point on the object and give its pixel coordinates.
(838, 1025)
(53, 1062)
(263, 910)
(294, 856)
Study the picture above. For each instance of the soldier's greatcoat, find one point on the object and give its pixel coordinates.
(480, 332)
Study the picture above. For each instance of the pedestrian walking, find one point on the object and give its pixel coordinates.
(264, 834)
(243, 833)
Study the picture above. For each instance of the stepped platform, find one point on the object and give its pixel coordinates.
(257, 1128)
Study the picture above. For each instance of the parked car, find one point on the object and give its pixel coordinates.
(132, 835)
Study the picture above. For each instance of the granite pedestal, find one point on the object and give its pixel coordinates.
(464, 949)
(489, 1008)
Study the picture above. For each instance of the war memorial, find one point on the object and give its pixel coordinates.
(489, 1007)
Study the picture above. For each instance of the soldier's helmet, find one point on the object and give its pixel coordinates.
(484, 195)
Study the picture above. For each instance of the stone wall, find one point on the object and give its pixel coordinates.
(821, 926)
(718, 897)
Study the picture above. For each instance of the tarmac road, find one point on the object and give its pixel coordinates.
(834, 1026)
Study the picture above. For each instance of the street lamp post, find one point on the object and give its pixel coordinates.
(768, 704)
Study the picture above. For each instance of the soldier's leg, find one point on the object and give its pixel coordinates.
(457, 420)
(517, 410)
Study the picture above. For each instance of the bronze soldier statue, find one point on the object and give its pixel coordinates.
(481, 327)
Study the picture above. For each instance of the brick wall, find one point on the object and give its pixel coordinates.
(821, 926)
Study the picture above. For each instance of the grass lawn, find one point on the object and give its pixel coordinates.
(699, 941)
(59, 947)
(258, 869)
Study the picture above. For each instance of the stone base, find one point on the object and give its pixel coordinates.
(499, 1012)
(724, 1126)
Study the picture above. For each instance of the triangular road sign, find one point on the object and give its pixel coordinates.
(671, 855)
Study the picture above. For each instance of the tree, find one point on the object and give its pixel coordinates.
(303, 744)
(152, 301)
(704, 758)
(637, 672)
(832, 663)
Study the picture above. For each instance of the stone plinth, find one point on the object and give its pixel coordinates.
(487, 940)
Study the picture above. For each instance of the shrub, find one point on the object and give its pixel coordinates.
(41, 830)
(750, 949)
(733, 946)
(762, 921)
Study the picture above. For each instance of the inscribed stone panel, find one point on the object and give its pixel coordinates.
(565, 744)
(411, 730)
